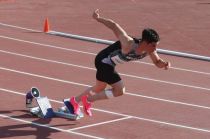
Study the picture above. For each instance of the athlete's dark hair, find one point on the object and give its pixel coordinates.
(150, 35)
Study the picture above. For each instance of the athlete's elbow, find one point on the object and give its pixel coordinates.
(111, 24)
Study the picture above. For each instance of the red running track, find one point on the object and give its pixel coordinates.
(158, 104)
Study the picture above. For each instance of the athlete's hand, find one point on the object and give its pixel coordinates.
(167, 65)
(96, 14)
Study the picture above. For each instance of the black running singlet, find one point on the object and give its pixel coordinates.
(117, 57)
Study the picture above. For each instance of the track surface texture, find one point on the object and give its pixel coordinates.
(158, 104)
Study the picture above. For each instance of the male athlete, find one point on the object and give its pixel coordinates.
(125, 50)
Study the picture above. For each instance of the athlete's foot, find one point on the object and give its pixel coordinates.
(75, 105)
(72, 105)
(86, 106)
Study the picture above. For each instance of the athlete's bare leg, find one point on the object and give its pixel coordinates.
(97, 92)
(96, 89)
(116, 90)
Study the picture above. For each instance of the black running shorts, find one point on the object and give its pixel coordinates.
(105, 72)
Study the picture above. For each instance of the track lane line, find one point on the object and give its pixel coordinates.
(176, 68)
(123, 74)
(172, 124)
(48, 126)
(60, 102)
(130, 116)
(85, 85)
(101, 123)
(89, 53)
(17, 27)
(99, 40)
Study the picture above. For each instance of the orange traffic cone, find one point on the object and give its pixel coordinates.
(46, 26)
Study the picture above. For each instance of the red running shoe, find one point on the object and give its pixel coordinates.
(75, 105)
(86, 106)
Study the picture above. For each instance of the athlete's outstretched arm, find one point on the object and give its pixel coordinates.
(160, 63)
(116, 28)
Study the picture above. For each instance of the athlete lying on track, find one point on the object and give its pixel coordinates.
(125, 50)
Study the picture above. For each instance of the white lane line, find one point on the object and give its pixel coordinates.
(22, 28)
(169, 101)
(85, 85)
(60, 102)
(46, 60)
(89, 53)
(176, 68)
(47, 45)
(137, 95)
(48, 126)
(126, 75)
(101, 123)
(44, 77)
(39, 31)
(172, 124)
(127, 93)
(130, 116)
(167, 82)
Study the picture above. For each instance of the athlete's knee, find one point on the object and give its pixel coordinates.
(121, 91)
(118, 92)
(114, 92)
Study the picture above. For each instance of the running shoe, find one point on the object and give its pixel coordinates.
(72, 105)
(86, 106)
